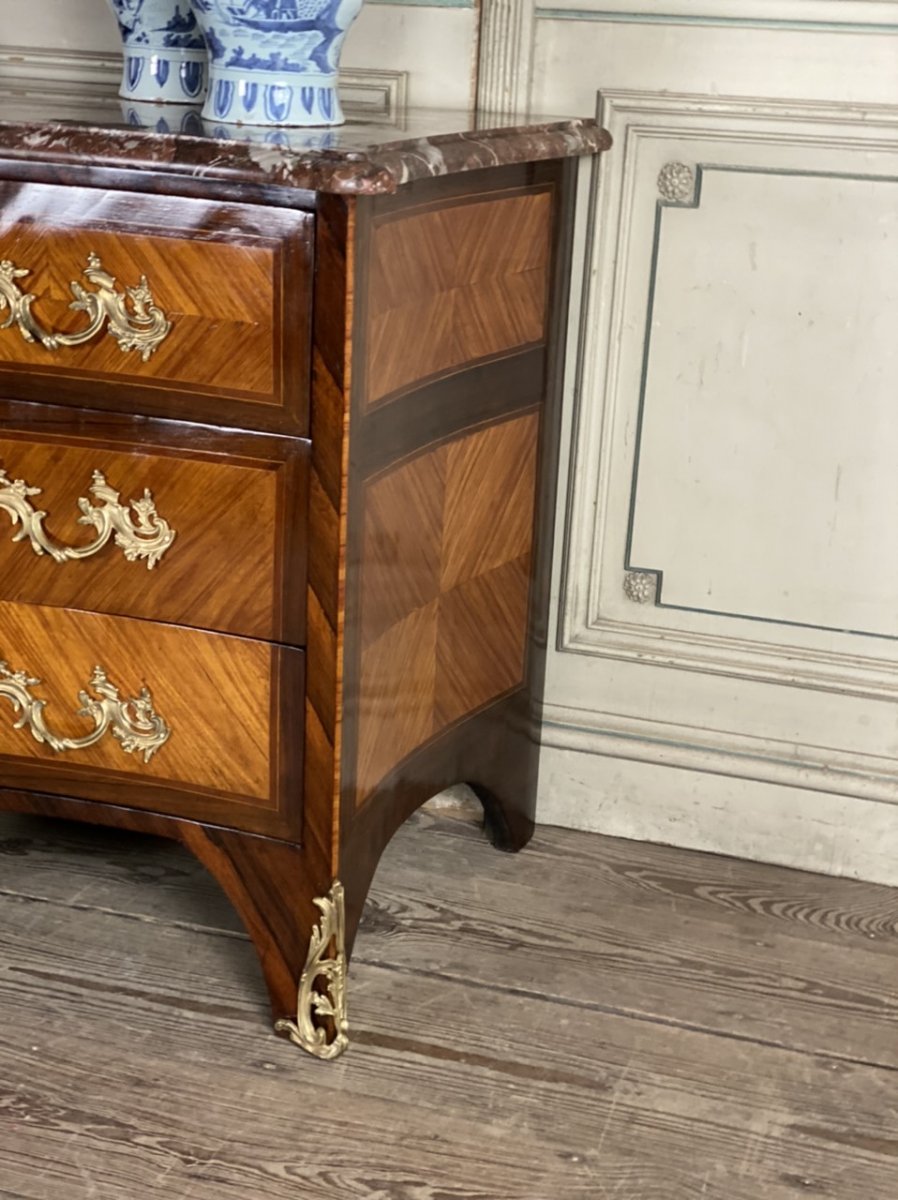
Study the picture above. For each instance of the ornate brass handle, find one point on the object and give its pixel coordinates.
(142, 327)
(133, 723)
(148, 539)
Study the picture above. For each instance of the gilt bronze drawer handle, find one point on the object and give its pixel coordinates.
(133, 723)
(142, 326)
(148, 539)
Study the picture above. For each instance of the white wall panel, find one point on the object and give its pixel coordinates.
(436, 46)
(742, 386)
(725, 670)
(766, 417)
(575, 55)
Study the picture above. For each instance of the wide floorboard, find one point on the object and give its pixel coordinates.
(590, 1020)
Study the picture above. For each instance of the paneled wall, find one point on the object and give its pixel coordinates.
(422, 53)
(725, 671)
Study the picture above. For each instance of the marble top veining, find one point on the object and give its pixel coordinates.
(361, 158)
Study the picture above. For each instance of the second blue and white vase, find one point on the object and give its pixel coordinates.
(274, 62)
(164, 51)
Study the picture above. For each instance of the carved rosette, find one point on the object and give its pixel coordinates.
(132, 722)
(146, 539)
(641, 586)
(321, 1026)
(676, 182)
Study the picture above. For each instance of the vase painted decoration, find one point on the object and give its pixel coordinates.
(274, 62)
(297, 139)
(167, 118)
(165, 55)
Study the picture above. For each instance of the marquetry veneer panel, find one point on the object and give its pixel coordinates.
(231, 280)
(453, 284)
(222, 572)
(444, 589)
(219, 695)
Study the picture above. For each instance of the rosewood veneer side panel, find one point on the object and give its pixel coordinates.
(451, 489)
(444, 580)
(234, 280)
(452, 283)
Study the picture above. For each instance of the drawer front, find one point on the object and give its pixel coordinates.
(220, 333)
(185, 526)
(215, 736)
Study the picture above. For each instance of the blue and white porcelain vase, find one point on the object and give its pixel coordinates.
(274, 62)
(165, 55)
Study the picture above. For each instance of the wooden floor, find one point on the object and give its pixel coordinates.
(590, 1019)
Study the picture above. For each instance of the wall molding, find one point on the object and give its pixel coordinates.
(719, 752)
(424, 3)
(809, 830)
(59, 72)
(379, 95)
(673, 126)
(505, 63)
(805, 16)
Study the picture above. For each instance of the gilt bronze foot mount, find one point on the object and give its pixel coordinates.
(321, 1026)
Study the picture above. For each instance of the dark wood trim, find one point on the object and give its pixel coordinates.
(550, 427)
(453, 404)
(466, 186)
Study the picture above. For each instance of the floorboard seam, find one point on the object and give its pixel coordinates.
(626, 1014)
(142, 918)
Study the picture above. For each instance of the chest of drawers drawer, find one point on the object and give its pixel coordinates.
(151, 304)
(170, 719)
(154, 520)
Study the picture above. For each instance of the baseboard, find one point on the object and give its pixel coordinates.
(375, 95)
(811, 830)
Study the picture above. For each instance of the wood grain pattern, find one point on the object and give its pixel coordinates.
(331, 382)
(397, 703)
(489, 501)
(230, 280)
(453, 283)
(444, 589)
(510, 408)
(107, 939)
(218, 695)
(654, 935)
(225, 570)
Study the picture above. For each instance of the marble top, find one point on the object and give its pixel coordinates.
(363, 157)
